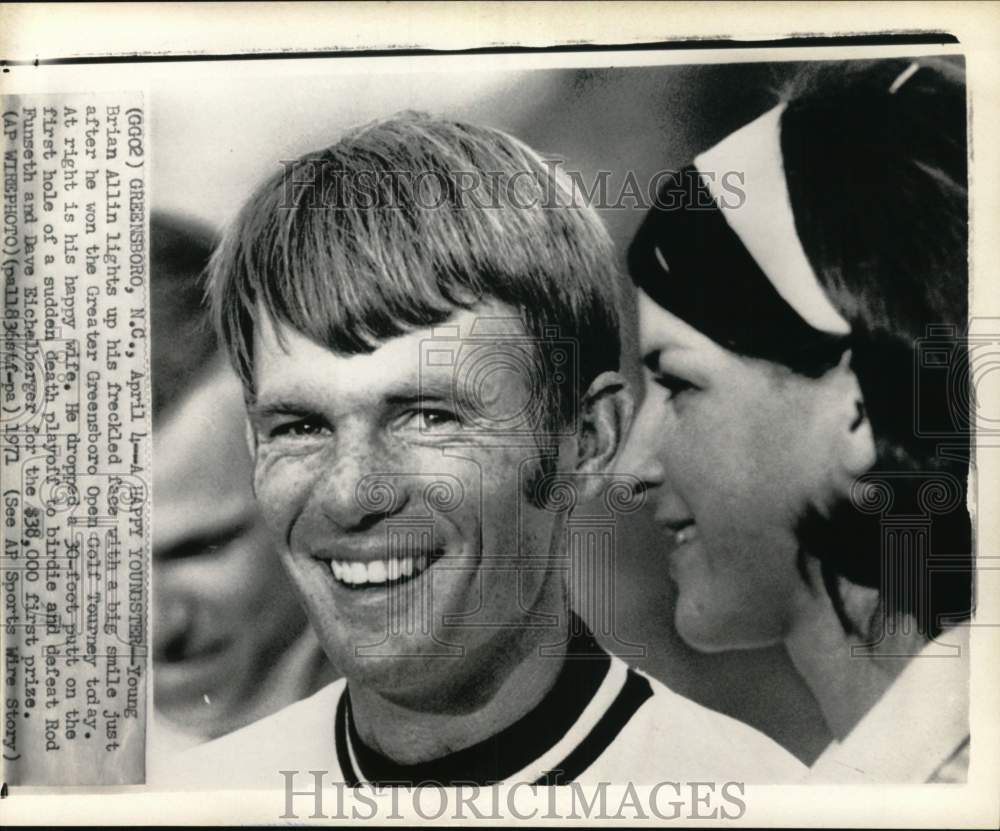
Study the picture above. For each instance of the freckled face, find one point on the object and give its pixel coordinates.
(730, 449)
(403, 523)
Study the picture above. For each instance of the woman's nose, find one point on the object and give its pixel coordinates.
(641, 456)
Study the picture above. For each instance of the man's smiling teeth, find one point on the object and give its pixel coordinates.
(378, 571)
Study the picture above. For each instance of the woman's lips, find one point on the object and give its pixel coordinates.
(682, 530)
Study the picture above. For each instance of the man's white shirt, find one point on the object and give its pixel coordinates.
(601, 722)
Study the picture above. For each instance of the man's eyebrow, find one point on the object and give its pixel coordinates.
(278, 406)
(433, 389)
(427, 389)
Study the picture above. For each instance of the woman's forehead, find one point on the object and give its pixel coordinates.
(660, 330)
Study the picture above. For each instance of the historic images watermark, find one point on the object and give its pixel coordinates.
(308, 796)
(315, 184)
(964, 363)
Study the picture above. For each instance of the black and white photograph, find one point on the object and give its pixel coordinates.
(566, 433)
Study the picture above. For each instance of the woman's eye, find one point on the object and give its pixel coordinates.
(672, 384)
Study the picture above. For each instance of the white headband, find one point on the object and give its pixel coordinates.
(764, 221)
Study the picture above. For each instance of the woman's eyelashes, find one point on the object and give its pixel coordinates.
(673, 384)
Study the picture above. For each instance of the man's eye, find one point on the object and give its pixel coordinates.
(672, 384)
(303, 427)
(427, 419)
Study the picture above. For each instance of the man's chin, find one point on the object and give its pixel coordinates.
(417, 668)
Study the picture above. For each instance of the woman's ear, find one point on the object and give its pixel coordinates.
(856, 445)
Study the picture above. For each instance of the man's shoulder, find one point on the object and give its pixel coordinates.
(297, 737)
(678, 739)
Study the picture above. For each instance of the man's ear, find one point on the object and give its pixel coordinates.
(250, 436)
(856, 446)
(605, 416)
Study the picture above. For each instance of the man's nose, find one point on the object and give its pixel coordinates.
(351, 494)
(641, 456)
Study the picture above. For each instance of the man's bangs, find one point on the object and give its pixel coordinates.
(354, 279)
(403, 223)
(348, 279)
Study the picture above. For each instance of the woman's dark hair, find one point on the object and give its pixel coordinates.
(875, 160)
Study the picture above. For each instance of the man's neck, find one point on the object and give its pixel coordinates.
(410, 735)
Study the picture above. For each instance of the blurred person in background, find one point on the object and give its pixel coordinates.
(231, 643)
(808, 465)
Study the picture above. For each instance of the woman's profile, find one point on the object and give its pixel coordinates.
(804, 438)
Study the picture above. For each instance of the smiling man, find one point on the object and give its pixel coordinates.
(426, 328)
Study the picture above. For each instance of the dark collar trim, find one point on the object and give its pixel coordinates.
(636, 691)
(497, 758)
(340, 742)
